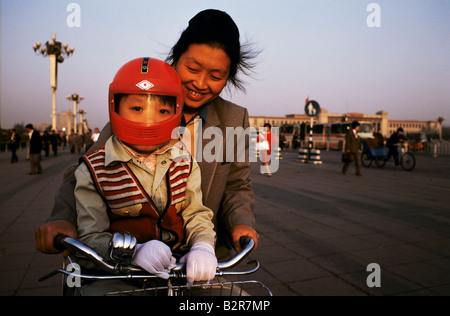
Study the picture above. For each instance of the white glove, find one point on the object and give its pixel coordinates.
(155, 257)
(201, 262)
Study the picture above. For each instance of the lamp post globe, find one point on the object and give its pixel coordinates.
(56, 52)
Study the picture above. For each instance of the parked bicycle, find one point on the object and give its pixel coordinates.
(175, 286)
(379, 156)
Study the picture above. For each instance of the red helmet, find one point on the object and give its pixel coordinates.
(145, 76)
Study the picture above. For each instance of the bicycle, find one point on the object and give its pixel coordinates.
(176, 285)
(379, 156)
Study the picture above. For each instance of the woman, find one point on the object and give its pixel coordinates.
(207, 57)
(266, 141)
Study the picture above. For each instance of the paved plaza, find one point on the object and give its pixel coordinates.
(320, 230)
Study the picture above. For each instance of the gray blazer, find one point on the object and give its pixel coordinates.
(226, 186)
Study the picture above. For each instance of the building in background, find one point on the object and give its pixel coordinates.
(380, 121)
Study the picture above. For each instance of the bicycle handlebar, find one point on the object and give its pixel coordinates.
(63, 242)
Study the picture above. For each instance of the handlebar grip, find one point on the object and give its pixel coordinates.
(244, 240)
(58, 242)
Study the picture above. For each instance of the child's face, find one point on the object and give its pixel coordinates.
(145, 109)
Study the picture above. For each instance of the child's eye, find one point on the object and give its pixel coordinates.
(162, 111)
(136, 108)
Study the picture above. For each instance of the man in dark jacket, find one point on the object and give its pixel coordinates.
(352, 148)
(34, 150)
(392, 144)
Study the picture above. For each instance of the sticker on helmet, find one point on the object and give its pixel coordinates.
(144, 68)
(145, 85)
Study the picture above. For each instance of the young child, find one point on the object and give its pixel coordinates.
(141, 184)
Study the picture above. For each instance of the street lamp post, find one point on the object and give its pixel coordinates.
(82, 113)
(69, 121)
(56, 51)
(75, 98)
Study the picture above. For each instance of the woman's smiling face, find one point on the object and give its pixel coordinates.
(204, 71)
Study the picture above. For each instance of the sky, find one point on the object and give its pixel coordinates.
(348, 55)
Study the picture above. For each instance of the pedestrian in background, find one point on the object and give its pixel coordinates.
(34, 150)
(352, 149)
(63, 139)
(55, 141)
(14, 144)
(95, 135)
(87, 139)
(46, 142)
(392, 144)
(265, 142)
(424, 140)
(75, 142)
(379, 139)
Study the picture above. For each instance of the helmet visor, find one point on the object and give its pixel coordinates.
(146, 108)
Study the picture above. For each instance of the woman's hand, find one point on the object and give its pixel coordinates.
(239, 231)
(45, 236)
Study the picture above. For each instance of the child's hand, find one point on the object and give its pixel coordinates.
(155, 257)
(201, 263)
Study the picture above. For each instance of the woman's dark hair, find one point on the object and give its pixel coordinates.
(216, 29)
